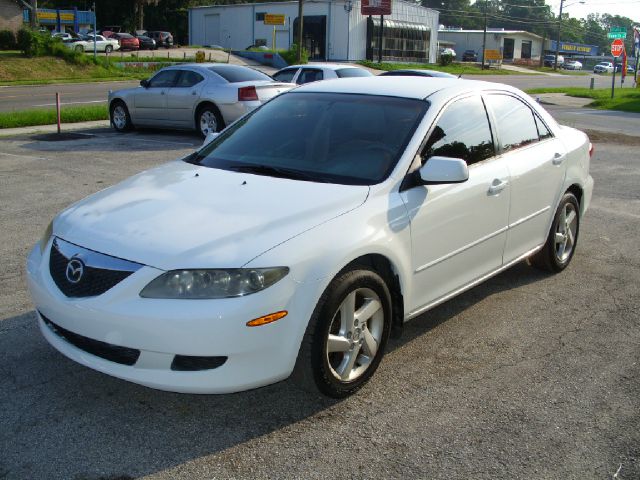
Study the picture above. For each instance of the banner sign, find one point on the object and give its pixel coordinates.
(273, 19)
(492, 55)
(575, 48)
(375, 7)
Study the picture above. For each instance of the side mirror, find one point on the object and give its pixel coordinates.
(144, 83)
(439, 170)
(209, 138)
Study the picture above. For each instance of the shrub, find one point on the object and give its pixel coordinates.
(446, 59)
(291, 56)
(30, 42)
(7, 40)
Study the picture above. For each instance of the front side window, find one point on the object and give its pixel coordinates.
(515, 121)
(286, 75)
(164, 79)
(461, 132)
(323, 137)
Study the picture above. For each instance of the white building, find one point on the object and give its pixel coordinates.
(514, 44)
(330, 30)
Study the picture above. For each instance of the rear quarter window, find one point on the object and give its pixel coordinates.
(235, 74)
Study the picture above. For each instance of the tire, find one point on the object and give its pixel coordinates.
(208, 119)
(120, 118)
(108, 49)
(339, 355)
(562, 240)
(79, 48)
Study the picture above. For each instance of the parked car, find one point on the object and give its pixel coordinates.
(85, 44)
(126, 41)
(629, 68)
(572, 65)
(163, 39)
(146, 43)
(302, 235)
(204, 96)
(603, 67)
(550, 60)
(469, 56)
(62, 36)
(416, 73)
(302, 74)
(447, 51)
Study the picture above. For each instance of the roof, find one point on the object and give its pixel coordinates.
(328, 66)
(490, 32)
(404, 87)
(295, 2)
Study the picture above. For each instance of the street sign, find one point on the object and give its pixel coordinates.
(492, 55)
(617, 32)
(375, 7)
(617, 46)
(273, 19)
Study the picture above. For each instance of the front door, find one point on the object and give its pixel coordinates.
(458, 231)
(151, 102)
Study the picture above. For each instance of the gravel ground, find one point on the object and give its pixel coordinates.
(527, 376)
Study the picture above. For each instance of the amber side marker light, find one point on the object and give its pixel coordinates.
(272, 317)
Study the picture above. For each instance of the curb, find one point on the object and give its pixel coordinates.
(9, 132)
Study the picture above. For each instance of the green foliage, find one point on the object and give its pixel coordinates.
(7, 40)
(291, 56)
(70, 114)
(446, 59)
(625, 99)
(33, 43)
(30, 42)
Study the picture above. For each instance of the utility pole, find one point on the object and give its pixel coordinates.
(95, 38)
(33, 17)
(300, 24)
(555, 63)
(484, 34)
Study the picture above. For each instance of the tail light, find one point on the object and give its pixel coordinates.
(247, 93)
(591, 149)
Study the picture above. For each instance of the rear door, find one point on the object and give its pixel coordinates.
(183, 98)
(151, 102)
(537, 165)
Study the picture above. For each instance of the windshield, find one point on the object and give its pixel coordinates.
(323, 137)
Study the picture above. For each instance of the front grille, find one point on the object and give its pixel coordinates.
(93, 281)
(108, 351)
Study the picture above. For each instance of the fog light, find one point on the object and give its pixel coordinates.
(272, 317)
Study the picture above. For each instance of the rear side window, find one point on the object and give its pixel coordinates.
(516, 122)
(353, 72)
(189, 79)
(309, 75)
(286, 75)
(461, 132)
(237, 73)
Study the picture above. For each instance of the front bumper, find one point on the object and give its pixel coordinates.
(162, 329)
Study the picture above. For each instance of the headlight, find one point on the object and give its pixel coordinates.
(201, 284)
(45, 237)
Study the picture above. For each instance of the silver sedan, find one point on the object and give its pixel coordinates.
(204, 96)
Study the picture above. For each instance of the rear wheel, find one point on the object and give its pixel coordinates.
(120, 118)
(563, 237)
(346, 336)
(208, 120)
(108, 49)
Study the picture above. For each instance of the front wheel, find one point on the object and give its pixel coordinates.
(346, 336)
(563, 237)
(120, 118)
(79, 48)
(108, 49)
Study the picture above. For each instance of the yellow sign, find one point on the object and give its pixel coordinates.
(492, 55)
(273, 19)
(52, 16)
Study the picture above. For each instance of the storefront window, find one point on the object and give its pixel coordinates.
(401, 41)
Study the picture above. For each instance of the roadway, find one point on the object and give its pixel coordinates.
(43, 96)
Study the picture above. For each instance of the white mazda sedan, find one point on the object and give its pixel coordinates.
(308, 231)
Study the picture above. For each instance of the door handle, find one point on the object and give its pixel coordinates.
(558, 158)
(162, 92)
(497, 186)
(194, 93)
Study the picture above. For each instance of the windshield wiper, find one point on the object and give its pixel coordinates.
(278, 172)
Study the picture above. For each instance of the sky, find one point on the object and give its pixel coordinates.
(626, 8)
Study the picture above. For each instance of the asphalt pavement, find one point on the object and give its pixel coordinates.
(527, 376)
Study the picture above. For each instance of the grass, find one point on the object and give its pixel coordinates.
(71, 114)
(625, 99)
(454, 68)
(18, 70)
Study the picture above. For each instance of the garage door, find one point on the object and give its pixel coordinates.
(212, 29)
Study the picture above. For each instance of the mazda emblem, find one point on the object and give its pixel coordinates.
(75, 270)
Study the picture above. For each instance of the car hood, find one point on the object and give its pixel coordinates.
(181, 215)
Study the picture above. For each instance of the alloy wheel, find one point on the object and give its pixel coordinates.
(565, 236)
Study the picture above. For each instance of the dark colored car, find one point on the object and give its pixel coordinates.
(163, 39)
(127, 41)
(629, 68)
(469, 56)
(146, 43)
(416, 73)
